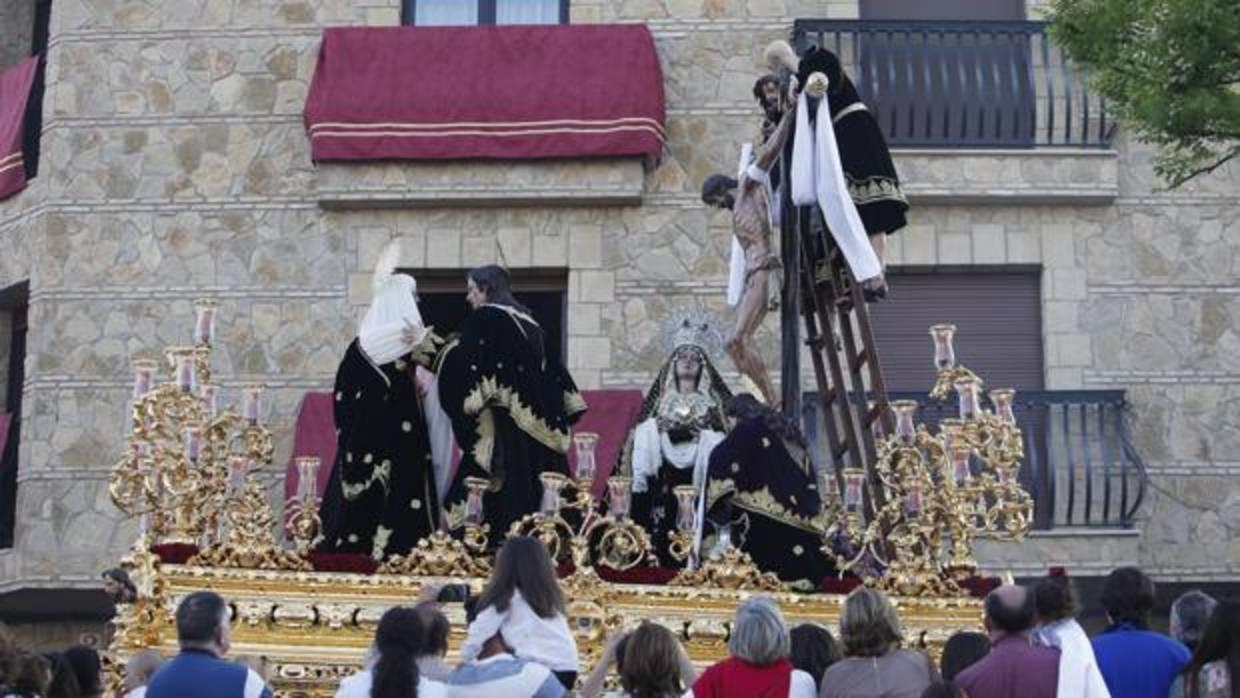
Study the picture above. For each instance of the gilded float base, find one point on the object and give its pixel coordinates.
(315, 627)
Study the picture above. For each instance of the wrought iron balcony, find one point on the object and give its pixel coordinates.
(948, 84)
(1080, 464)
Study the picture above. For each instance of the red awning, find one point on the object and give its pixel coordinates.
(497, 92)
(15, 84)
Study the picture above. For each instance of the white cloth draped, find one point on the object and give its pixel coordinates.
(818, 177)
(1079, 676)
(439, 433)
(736, 266)
(393, 310)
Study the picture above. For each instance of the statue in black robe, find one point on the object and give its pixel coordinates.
(381, 497)
(761, 495)
(510, 403)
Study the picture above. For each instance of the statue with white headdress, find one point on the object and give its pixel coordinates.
(680, 422)
(381, 498)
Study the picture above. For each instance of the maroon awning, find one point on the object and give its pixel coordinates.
(15, 84)
(498, 92)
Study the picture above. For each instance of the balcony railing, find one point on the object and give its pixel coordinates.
(947, 84)
(1080, 464)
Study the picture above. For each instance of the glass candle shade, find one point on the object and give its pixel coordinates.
(238, 471)
(307, 477)
(966, 390)
(252, 403)
(619, 496)
(854, 479)
(686, 499)
(192, 438)
(960, 471)
(912, 500)
(950, 428)
(474, 511)
(552, 484)
(905, 428)
(1002, 398)
(828, 486)
(143, 377)
(209, 393)
(204, 322)
(944, 351)
(585, 443)
(186, 372)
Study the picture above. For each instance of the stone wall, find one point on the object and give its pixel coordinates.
(175, 167)
(16, 31)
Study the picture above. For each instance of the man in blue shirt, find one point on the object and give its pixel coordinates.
(200, 671)
(1135, 661)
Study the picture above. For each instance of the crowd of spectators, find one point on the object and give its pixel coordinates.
(519, 645)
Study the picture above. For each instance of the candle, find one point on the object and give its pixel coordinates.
(585, 443)
(552, 484)
(238, 471)
(473, 501)
(912, 500)
(951, 427)
(1002, 399)
(828, 487)
(686, 499)
(193, 442)
(251, 403)
(307, 478)
(966, 389)
(853, 482)
(187, 376)
(944, 352)
(204, 324)
(619, 496)
(209, 393)
(905, 428)
(961, 472)
(143, 377)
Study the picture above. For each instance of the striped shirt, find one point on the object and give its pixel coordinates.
(503, 676)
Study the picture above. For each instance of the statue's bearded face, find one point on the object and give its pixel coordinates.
(688, 365)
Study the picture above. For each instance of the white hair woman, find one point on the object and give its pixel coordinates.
(758, 666)
(874, 665)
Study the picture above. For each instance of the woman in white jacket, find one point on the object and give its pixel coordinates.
(1079, 676)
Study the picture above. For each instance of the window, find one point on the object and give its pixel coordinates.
(33, 123)
(466, 12)
(998, 318)
(13, 303)
(441, 299)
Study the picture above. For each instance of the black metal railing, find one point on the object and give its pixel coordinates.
(1080, 464)
(940, 84)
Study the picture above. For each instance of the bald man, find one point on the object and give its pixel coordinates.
(1015, 667)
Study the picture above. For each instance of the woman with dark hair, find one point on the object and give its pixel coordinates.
(118, 586)
(961, 651)
(1214, 670)
(813, 650)
(523, 602)
(874, 664)
(87, 669)
(510, 403)
(64, 683)
(25, 676)
(435, 642)
(1079, 676)
(393, 669)
(760, 495)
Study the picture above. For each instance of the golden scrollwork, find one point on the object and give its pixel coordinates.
(732, 569)
(440, 555)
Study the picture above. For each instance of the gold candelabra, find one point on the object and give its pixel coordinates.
(441, 555)
(939, 490)
(578, 524)
(189, 466)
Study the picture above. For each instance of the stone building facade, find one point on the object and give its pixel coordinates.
(175, 166)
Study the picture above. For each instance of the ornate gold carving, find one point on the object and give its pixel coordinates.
(731, 570)
(441, 555)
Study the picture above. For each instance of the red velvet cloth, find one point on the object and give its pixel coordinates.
(15, 84)
(496, 92)
(314, 435)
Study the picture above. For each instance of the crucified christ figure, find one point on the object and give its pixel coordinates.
(749, 199)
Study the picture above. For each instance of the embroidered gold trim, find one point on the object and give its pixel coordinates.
(871, 189)
(382, 536)
(381, 473)
(484, 447)
(424, 351)
(760, 502)
(412, 126)
(574, 403)
(489, 392)
(454, 516)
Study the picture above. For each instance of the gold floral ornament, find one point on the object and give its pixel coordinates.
(441, 555)
(731, 569)
(938, 490)
(246, 540)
